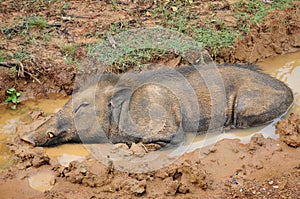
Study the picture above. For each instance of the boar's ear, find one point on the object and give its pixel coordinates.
(117, 101)
(120, 96)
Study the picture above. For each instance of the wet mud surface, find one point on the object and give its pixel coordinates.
(263, 168)
(289, 130)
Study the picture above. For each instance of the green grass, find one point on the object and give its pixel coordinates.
(216, 39)
(37, 22)
(135, 59)
(32, 30)
(255, 11)
(174, 15)
(117, 27)
(69, 52)
(178, 15)
(182, 16)
(2, 56)
(31, 5)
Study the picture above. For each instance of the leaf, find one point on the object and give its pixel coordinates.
(18, 94)
(14, 99)
(11, 89)
(14, 107)
(8, 99)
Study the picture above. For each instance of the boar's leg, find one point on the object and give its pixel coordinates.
(150, 114)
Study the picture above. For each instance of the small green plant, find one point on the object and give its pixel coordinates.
(69, 52)
(13, 97)
(20, 55)
(38, 22)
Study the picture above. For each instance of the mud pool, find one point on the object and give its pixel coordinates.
(285, 67)
(11, 119)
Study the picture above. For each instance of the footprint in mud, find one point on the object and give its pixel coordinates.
(42, 181)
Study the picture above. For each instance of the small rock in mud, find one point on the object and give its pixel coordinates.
(171, 186)
(138, 149)
(183, 178)
(122, 149)
(259, 165)
(289, 130)
(152, 147)
(256, 141)
(35, 115)
(138, 187)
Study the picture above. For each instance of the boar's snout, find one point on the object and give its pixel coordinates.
(28, 138)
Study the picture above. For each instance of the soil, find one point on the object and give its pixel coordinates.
(264, 168)
(46, 52)
(289, 130)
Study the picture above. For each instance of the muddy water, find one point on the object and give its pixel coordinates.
(11, 119)
(285, 68)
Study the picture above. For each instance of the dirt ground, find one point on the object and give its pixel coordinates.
(51, 38)
(264, 168)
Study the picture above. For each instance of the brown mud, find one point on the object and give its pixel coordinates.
(262, 168)
(289, 130)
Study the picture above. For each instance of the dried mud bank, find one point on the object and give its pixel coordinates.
(263, 168)
(279, 33)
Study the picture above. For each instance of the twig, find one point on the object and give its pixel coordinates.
(21, 71)
(111, 40)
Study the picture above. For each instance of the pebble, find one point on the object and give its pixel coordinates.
(271, 182)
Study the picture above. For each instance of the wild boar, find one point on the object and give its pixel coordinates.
(159, 106)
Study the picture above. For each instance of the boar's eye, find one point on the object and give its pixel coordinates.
(50, 134)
